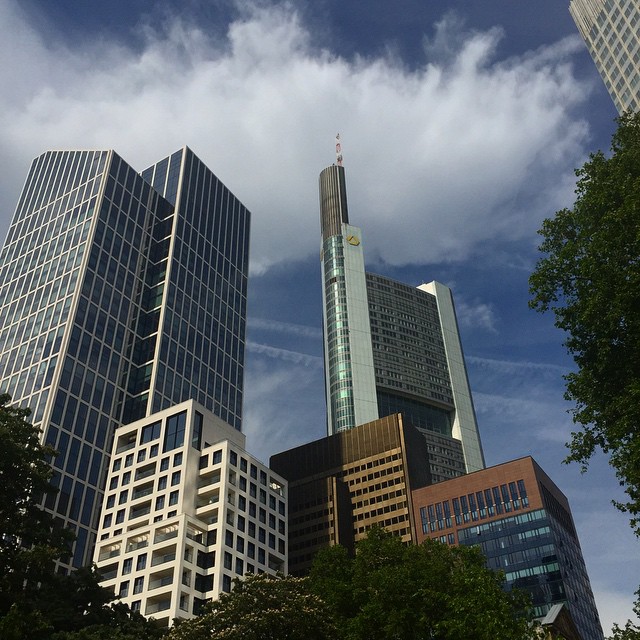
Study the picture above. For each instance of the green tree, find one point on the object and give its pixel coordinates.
(590, 278)
(36, 602)
(630, 631)
(29, 541)
(261, 607)
(390, 591)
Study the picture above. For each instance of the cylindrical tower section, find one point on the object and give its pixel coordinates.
(333, 201)
(349, 372)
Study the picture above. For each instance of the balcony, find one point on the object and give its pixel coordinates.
(110, 551)
(154, 606)
(166, 554)
(167, 533)
(158, 580)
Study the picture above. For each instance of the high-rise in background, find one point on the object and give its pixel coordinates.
(391, 348)
(611, 30)
(121, 295)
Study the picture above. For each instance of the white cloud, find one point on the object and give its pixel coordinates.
(288, 328)
(476, 314)
(284, 354)
(466, 152)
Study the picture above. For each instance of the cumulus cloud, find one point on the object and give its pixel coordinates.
(476, 314)
(466, 150)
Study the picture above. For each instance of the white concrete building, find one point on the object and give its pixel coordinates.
(186, 511)
(611, 30)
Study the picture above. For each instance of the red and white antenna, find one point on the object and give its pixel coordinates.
(338, 150)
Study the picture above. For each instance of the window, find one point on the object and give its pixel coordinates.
(263, 477)
(226, 583)
(123, 497)
(159, 503)
(150, 432)
(240, 544)
(126, 478)
(138, 584)
(177, 459)
(233, 458)
(173, 498)
(162, 483)
(263, 496)
(111, 500)
(120, 516)
(251, 549)
(241, 523)
(174, 433)
(217, 456)
(254, 471)
(141, 562)
(196, 439)
(127, 565)
(142, 454)
(243, 465)
(239, 566)
(262, 534)
(113, 483)
(228, 560)
(116, 464)
(124, 589)
(175, 478)
(228, 538)
(128, 461)
(153, 451)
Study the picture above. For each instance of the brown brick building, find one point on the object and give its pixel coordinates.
(342, 485)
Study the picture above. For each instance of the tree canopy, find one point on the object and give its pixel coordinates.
(36, 601)
(590, 279)
(390, 591)
(261, 607)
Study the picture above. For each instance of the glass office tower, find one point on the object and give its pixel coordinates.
(119, 298)
(611, 30)
(391, 348)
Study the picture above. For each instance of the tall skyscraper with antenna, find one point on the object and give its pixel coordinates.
(389, 347)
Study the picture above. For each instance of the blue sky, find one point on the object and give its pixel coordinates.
(461, 123)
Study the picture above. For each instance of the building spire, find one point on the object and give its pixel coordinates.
(338, 150)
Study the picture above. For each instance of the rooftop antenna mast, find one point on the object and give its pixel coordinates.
(338, 150)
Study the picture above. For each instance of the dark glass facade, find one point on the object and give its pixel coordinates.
(523, 525)
(89, 271)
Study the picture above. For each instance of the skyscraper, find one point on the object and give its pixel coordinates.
(391, 348)
(611, 30)
(523, 524)
(121, 295)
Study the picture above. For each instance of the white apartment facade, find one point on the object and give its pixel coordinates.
(186, 511)
(611, 31)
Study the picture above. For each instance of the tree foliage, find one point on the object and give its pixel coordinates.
(36, 602)
(390, 591)
(29, 541)
(590, 279)
(261, 607)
